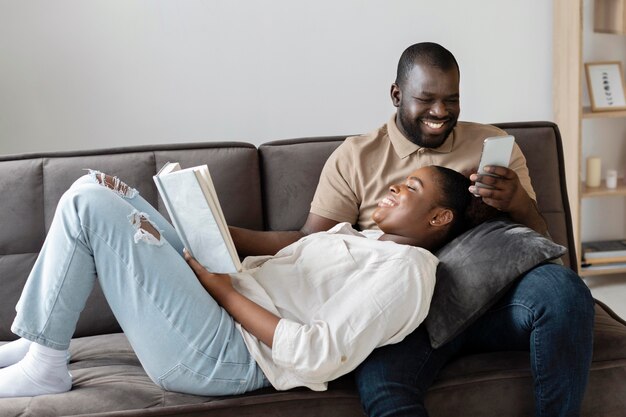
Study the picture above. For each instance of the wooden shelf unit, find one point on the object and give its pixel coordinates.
(588, 114)
(603, 191)
(586, 272)
(610, 17)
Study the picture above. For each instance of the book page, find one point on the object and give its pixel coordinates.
(206, 183)
(193, 218)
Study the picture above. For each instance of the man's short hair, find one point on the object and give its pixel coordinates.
(428, 53)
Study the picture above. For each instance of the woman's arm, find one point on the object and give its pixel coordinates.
(254, 318)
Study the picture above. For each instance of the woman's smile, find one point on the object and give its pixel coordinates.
(388, 201)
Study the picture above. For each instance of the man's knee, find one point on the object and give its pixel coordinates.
(562, 292)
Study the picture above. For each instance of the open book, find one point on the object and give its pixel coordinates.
(190, 199)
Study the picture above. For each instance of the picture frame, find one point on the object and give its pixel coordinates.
(605, 82)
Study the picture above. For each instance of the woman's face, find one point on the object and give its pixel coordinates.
(409, 207)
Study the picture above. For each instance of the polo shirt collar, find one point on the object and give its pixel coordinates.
(404, 147)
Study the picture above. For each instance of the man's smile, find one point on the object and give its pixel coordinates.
(434, 125)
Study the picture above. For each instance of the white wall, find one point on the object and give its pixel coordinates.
(78, 74)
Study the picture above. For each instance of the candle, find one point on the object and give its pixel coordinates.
(611, 178)
(594, 166)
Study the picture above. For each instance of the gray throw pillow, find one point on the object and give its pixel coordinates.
(476, 268)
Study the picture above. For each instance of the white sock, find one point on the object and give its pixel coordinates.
(42, 371)
(13, 352)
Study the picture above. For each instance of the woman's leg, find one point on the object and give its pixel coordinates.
(13, 352)
(185, 341)
(133, 197)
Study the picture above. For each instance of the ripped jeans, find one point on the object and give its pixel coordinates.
(105, 230)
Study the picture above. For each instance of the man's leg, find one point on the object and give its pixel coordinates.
(550, 313)
(394, 379)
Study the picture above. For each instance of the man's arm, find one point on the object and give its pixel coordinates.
(254, 242)
(508, 195)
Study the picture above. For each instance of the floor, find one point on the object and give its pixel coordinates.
(611, 290)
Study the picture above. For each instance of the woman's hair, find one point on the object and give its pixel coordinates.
(454, 196)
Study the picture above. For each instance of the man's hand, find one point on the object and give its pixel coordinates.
(501, 190)
(504, 192)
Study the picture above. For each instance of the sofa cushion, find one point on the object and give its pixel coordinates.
(102, 368)
(36, 182)
(479, 266)
(290, 172)
(109, 380)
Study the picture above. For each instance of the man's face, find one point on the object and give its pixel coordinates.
(428, 104)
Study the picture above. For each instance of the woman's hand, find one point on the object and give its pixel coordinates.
(254, 318)
(218, 285)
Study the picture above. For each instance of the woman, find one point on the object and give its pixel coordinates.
(302, 317)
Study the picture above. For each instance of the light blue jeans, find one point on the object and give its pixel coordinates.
(185, 341)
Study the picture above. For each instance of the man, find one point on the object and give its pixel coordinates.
(548, 312)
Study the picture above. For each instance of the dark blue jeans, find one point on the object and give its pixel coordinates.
(549, 312)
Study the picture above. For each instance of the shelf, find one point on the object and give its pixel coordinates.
(604, 270)
(588, 114)
(610, 16)
(571, 32)
(602, 191)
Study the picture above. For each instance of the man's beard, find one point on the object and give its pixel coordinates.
(414, 133)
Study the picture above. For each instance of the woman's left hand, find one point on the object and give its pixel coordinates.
(257, 320)
(218, 285)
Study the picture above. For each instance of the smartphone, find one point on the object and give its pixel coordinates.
(496, 151)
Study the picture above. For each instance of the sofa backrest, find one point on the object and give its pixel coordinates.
(291, 168)
(269, 188)
(31, 186)
(542, 146)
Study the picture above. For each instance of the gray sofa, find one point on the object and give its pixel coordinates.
(266, 188)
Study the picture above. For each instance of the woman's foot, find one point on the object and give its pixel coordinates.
(42, 371)
(13, 352)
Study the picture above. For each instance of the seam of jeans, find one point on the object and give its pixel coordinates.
(158, 307)
(58, 291)
(182, 365)
(513, 304)
(534, 348)
(414, 381)
(535, 343)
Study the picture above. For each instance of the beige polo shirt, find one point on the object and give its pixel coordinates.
(359, 172)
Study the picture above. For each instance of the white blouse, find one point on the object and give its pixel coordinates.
(339, 296)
